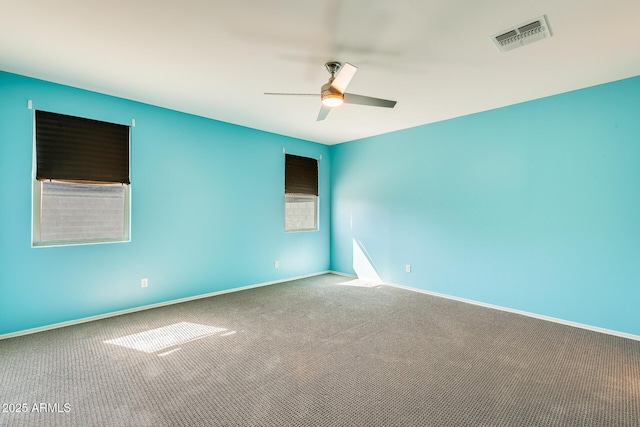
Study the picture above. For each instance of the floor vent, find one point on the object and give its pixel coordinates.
(522, 34)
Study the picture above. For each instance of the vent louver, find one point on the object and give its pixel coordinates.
(522, 34)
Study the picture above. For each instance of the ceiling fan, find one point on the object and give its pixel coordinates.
(332, 94)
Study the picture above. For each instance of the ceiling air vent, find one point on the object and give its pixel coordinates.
(522, 34)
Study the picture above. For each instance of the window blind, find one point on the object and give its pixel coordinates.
(300, 175)
(78, 149)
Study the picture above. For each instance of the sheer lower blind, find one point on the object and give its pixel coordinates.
(300, 175)
(78, 149)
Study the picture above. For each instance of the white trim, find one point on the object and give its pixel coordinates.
(150, 306)
(338, 273)
(521, 312)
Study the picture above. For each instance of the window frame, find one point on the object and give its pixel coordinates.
(310, 193)
(37, 196)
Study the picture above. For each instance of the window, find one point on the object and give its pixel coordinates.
(300, 193)
(81, 186)
(300, 212)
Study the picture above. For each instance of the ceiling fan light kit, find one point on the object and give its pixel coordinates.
(332, 94)
(332, 99)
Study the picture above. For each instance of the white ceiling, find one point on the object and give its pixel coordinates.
(215, 58)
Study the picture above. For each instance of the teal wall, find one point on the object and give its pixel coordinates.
(207, 212)
(534, 207)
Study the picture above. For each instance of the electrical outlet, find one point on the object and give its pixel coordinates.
(144, 282)
(276, 264)
(407, 268)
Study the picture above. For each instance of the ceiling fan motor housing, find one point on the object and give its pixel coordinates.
(331, 96)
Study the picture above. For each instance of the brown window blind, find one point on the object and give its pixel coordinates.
(78, 149)
(300, 175)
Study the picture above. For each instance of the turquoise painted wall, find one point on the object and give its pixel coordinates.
(534, 207)
(207, 212)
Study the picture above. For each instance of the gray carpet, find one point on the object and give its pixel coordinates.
(311, 352)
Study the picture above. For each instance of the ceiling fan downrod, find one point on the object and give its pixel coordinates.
(333, 67)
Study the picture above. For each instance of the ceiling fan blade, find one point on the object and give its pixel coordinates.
(296, 94)
(344, 76)
(351, 98)
(323, 113)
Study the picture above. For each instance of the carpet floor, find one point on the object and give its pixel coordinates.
(317, 352)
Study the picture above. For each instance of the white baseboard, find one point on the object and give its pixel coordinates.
(150, 306)
(338, 273)
(509, 310)
(523, 313)
(352, 276)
